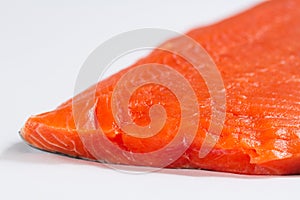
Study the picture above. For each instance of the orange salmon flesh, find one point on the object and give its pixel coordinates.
(258, 55)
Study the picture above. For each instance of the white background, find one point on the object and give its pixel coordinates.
(42, 47)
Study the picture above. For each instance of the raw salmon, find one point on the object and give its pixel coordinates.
(258, 55)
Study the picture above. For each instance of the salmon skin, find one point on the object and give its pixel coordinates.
(258, 55)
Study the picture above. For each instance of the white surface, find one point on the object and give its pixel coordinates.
(42, 46)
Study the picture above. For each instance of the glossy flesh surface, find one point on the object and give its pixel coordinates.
(258, 55)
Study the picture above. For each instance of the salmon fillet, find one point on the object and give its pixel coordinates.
(258, 55)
